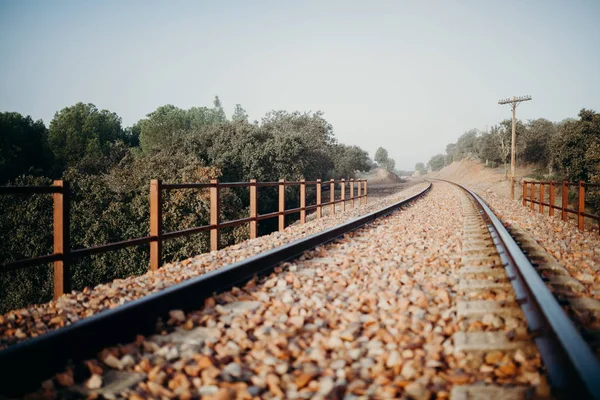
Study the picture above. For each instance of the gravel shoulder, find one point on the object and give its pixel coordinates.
(35, 320)
(578, 252)
(568, 259)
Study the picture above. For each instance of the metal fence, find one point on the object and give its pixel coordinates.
(63, 255)
(530, 196)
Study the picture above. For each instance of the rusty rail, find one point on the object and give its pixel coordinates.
(529, 196)
(63, 255)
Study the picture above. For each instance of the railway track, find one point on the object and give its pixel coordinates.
(387, 310)
(493, 263)
(24, 365)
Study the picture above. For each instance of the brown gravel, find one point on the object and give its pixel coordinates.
(578, 285)
(371, 315)
(35, 320)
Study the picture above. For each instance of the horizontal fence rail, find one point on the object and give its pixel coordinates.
(63, 255)
(529, 195)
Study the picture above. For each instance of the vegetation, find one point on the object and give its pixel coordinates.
(110, 167)
(420, 168)
(568, 150)
(381, 158)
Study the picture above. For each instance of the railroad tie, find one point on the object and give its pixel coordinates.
(494, 333)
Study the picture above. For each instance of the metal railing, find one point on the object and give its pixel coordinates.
(63, 256)
(564, 197)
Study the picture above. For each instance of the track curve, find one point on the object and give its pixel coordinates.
(24, 365)
(571, 364)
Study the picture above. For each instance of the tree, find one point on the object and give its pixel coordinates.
(437, 162)
(535, 141)
(347, 160)
(420, 168)
(466, 145)
(83, 132)
(450, 153)
(23, 147)
(575, 148)
(390, 164)
(219, 113)
(381, 156)
(239, 114)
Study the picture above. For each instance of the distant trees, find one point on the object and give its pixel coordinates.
(437, 162)
(381, 158)
(566, 150)
(420, 168)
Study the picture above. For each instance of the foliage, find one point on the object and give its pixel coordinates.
(23, 147)
(110, 168)
(568, 150)
(80, 136)
(420, 168)
(381, 157)
(437, 162)
(26, 229)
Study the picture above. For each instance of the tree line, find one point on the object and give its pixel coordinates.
(565, 150)
(110, 166)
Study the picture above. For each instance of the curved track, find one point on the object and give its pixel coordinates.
(24, 365)
(572, 366)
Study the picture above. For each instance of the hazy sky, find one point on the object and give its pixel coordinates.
(410, 76)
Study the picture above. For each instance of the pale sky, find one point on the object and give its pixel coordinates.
(410, 76)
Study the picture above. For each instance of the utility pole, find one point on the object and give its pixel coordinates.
(513, 148)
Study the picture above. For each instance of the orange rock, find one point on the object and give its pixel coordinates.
(273, 385)
(203, 361)
(65, 379)
(493, 357)
(506, 369)
(192, 370)
(303, 379)
(94, 367)
(457, 378)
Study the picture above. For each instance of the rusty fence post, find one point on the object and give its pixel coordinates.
(358, 192)
(253, 209)
(565, 200)
(551, 210)
(366, 192)
(319, 211)
(155, 224)
(62, 273)
(281, 205)
(542, 193)
(524, 193)
(343, 189)
(332, 196)
(352, 193)
(532, 196)
(581, 208)
(215, 233)
(302, 201)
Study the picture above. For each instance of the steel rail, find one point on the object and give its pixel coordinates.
(573, 368)
(25, 365)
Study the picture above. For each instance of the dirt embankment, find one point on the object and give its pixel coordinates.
(477, 175)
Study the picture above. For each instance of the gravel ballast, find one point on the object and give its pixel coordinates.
(371, 315)
(36, 320)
